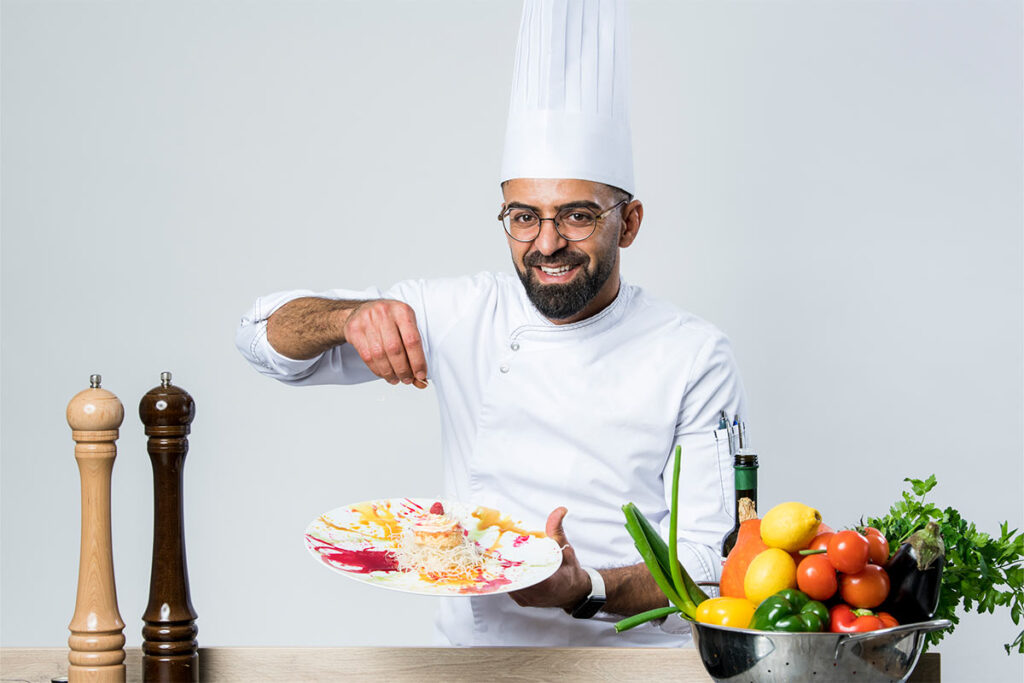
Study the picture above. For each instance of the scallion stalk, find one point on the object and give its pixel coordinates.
(683, 602)
(644, 617)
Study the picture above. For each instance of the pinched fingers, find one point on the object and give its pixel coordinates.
(367, 341)
(394, 349)
(413, 345)
(384, 333)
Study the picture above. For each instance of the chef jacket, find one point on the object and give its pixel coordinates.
(536, 415)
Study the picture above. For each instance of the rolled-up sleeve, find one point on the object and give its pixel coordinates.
(340, 365)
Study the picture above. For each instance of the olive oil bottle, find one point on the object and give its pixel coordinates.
(745, 478)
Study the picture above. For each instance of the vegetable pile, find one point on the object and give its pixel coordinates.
(794, 550)
(791, 572)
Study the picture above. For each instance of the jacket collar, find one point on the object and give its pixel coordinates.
(537, 325)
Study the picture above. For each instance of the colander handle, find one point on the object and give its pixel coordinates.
(923, 627)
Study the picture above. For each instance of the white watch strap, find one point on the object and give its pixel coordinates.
(596, 584)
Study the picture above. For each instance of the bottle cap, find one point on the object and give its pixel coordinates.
(745, 458)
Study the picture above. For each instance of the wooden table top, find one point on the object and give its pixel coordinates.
(418, 664)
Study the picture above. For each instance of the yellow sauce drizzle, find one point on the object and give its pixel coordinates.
(370, 515)
(490, 517)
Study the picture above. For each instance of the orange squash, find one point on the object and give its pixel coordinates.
(748, 545)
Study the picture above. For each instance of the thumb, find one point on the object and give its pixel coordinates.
(554, 529)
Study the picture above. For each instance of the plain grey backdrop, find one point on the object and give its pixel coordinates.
(837, 185)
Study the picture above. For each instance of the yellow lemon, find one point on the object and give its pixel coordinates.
(790, 526)
(771, 571)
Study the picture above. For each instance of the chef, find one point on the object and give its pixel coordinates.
(563, 389)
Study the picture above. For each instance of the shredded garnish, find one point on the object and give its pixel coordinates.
(465, 563)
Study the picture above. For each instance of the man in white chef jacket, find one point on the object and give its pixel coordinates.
(565, 388)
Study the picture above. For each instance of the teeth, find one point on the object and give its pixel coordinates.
(556, 271)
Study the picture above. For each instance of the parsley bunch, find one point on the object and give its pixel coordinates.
(980, 570)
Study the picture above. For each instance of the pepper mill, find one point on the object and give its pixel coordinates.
(170, 651)
(97, 631)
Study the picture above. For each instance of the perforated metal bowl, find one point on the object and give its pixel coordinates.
(736, 655)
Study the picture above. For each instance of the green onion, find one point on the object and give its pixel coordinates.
(658, 544)
(681, 579)
(662, 560)
(683, 602)
(644, 617)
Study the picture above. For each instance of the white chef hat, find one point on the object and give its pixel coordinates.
(569, 114)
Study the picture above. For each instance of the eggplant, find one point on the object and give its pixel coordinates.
(915, 576)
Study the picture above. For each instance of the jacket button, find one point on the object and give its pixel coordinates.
(515, 346)
(504, 368)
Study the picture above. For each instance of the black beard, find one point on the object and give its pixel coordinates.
(558, 302)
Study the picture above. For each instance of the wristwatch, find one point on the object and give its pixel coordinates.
(593, 603)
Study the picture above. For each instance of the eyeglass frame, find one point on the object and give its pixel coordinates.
(540, 223)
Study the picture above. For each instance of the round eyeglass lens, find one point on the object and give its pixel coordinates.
(521, 224)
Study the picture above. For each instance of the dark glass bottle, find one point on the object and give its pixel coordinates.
(745, 477)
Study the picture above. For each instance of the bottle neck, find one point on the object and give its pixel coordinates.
(745, 478)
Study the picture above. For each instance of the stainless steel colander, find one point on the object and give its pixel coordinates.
(745, 656)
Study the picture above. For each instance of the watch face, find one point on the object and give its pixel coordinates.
(588, 608)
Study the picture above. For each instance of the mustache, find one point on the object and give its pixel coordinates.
(562, 257)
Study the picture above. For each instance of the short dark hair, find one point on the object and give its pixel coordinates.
(620, 194)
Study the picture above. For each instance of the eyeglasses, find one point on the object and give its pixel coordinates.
(573, 223)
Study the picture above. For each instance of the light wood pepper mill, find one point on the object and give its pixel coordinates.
(97, 631)
(170, 651)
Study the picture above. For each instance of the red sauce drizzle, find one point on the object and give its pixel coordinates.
(362, 561)
(411, 505)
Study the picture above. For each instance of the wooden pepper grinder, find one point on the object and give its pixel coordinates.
(170, 651)
(97, 631)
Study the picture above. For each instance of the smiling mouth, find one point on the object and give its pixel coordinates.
(556, 270)
(556, 274)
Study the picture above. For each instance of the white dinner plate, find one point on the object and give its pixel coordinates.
(362, 541)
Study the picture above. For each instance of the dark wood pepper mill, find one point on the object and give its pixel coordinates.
(97, 631)
(170, 651)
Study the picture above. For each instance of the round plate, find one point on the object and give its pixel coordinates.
(360, 541)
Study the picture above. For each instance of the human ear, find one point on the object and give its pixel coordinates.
(631, 223)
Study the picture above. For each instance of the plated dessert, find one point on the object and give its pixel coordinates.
(431, 546)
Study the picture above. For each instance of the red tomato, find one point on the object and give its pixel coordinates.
(820, 542)
(865, 589)
(878, 547)
(817, 577)
(848, 551)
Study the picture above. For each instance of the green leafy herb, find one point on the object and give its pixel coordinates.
(982, 572)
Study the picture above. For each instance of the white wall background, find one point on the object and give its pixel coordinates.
(837, 185)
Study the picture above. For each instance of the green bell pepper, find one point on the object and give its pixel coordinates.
(790, 610)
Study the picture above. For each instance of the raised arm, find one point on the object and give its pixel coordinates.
(382, 331)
